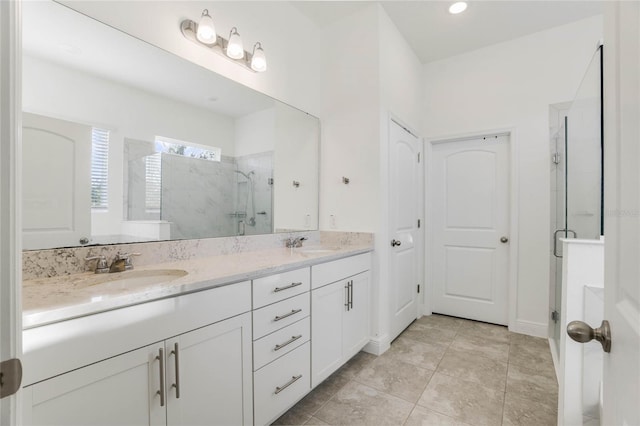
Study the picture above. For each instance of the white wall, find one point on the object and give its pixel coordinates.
(370, 73)
(289, 39)
(255, 132)
(511, 85)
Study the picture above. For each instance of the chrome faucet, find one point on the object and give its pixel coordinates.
(101, 265)
(294, 242)
(122, 262)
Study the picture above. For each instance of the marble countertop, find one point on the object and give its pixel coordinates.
(48, 300)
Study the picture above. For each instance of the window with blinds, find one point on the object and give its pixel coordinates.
(153, 189)
(99, 169)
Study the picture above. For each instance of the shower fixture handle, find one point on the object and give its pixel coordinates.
(504, 240)
(395, 243)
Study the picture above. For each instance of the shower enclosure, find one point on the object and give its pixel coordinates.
(577, 209)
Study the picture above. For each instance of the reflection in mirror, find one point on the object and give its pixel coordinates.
(124, 142)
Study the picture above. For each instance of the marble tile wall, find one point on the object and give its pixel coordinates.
(65, 261)
(262, 166)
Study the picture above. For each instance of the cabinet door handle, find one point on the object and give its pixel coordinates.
(281, 317)
(289, 383)
(288, 342)
(351, 294)
(160, 358)
(277, 289)
(175, 353)
(346, 287)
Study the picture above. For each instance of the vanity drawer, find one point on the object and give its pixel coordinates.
(279, 315)
(277, 287)
(330, 272)
(281, 384)
(281, 342)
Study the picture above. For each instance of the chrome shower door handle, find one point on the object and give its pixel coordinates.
(555, 239)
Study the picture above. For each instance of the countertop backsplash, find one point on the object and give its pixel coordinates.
(66, 261)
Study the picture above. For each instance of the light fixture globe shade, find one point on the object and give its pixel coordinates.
(259, 61)
(458, 7)
(235, 50)
(206, 30)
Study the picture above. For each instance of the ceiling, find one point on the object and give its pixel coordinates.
(434, 33)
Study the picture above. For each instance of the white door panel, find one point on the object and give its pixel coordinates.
(469, 181)
(405, 187)
(622, 214)
(56, 182)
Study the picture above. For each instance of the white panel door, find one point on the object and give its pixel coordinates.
(56, 182)
(622, 215)
(405, 188)
(118, 391)
(470, 216)
(209, 381)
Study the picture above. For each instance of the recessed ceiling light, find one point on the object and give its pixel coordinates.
(458, 7)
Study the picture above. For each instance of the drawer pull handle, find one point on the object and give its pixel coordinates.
(292, 285)
(160, 358)
(176, 385)
(281, 317)
(289, 383)
(288, 342)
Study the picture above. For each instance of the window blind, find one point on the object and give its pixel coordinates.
(153, 190)
(99, 168)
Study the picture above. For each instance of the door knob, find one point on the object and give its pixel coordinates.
(504, 240)
(395, 243)
(582, 333)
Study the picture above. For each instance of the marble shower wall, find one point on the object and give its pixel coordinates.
(198, 196)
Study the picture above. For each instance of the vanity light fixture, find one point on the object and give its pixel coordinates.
(258, 60)
(458, 7)
(206, 30)
(204, 34)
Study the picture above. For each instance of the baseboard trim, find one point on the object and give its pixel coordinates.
(378, 346)
(530, 328)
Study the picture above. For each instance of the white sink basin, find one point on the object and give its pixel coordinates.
(133, 279)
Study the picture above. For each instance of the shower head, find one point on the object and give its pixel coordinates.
(246, 175)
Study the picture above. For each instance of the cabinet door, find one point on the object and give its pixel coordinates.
(212, 373)
(118, 391)
(355, 333)
(328, 305)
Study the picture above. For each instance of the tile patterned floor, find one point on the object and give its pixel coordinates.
(440, 371)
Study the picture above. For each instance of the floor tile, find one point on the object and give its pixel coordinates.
(421, 416)
(498, 351)
(464, 401)
(395, 377)
(523, 412)
(536, 355)
(294, 416)
(498, 333)
(471, 367)
(322, 393)
(421, 354)
(313, 421)
(532, 384)
(440, 321)
(426, 333)
(355, 364)
(357, 404)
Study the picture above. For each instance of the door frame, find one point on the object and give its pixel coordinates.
(512, 284)
(10, 196)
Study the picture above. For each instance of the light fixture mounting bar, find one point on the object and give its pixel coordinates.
(189, 30)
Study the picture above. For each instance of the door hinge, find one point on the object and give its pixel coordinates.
(555, 316)
(419, 223)
(418, 288)
(555, 158)
(419, 157)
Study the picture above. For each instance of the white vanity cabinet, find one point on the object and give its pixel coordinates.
(340, 313)
(201, 376)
